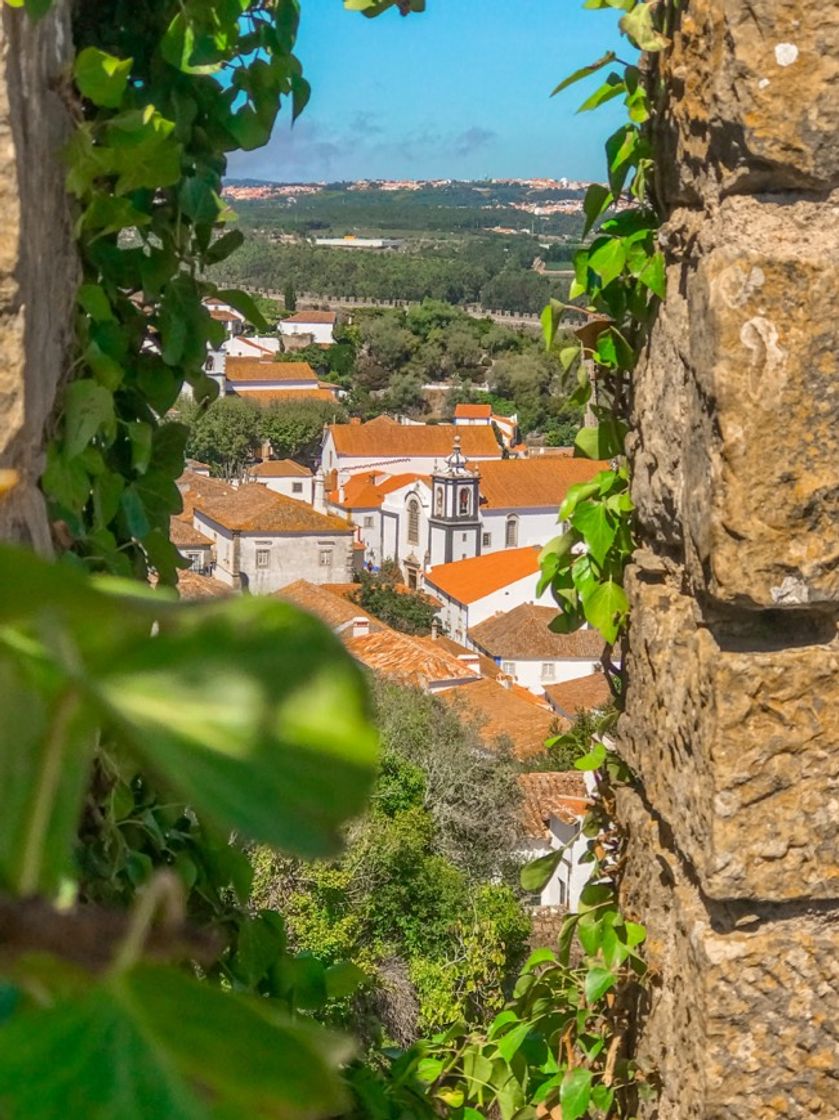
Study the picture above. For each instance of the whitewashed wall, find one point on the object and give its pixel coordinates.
(321, 332)
(535, 526)
(287, 486)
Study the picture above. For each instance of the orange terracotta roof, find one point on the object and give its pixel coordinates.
(583, 694)
(409, 661)
(497, 711)
(191, 585)
(333, 609)
(532, 483)
(486, 665)
(547, 794)
(473, 411)
(383, 438)
(200, 487)
(256, 509)
(311, 317)
(183, 534)
(256, 369)
(522, 634)
(279, 468)
(397, 481)
(222, 316)
(470, 580)
(360, 492)
(283, 396)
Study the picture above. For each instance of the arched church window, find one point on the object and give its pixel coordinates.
(511, 539)
(438, 501)
(413, 521)
(464, 501)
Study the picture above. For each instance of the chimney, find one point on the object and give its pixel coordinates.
(472, 662)
(435, 629)
(318, 500)
(361, 627)
(505, 680)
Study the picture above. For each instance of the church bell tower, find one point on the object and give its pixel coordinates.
(455, 522)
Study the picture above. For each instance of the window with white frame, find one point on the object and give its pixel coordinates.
(548, 671)
(413, 521)
(486, 539)
(196, 561)
(512, 533)
(509, 668)
(325, 557)
(263, 558)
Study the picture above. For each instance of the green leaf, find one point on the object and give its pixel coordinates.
(535, 876)
(584, 72)
(598, 199)
(593, 760)
(87, 407)
(271, 738)
(653, 275)
(607, 258)
(510, 1043)
(574, 1093)
(222, 248)
(245, 304)
(603, 441)
(612, 87)
(638, 25)
(101, 77)
(602, 1097)
(606, 609)
(429, 1069)
(577, 493)
(597, 528)
(93, 300)
(344, 979)
(634, 933)
(598, 981)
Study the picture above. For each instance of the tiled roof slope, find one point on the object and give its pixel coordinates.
(408, 661)
(191, 586)
(200, 487)
(531, 483)
(256, 509)
(472, 579)
(334, 610)
(183, 534)
(545, 794)
(582, 694)
(279, 468)
(385, 438)
(522, 634)
(473, 411)
(283, 396)
(255, 369)
(486, 665)
(498, 711)
(311, 317)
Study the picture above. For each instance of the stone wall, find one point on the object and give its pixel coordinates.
(732, 717)
(37, 258)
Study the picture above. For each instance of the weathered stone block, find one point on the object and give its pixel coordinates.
(743, 1019)
(752, 100)
(737, 745)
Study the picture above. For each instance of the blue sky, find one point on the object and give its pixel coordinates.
(461, 91)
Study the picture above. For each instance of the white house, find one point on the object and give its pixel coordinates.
(257, 346)
(263, 541)
(319, 324)
(522, 646)
(554, 805)
(265, 381)
(284, 476)
(470, 415)
(234, 321)
(385, 446)
(478, 588)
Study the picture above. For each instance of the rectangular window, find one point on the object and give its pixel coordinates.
(195, 561)
(368, 522)
(297, 487)
(325, 557)
(486, 539)
(464, 537)
(548, 670)
(263, 557)
(508, 667)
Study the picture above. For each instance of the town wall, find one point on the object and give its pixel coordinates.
(38, 264)
(732, 720)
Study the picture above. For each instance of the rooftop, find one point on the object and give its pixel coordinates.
(470, 580)
(335, 610)
(310, 317)
(409, 661)
(200, 487)
(283, 396)
(486, 665)
(582, 694)
(473, 411)
(258, 369)
(549, 794)
(256, 509)
(532, 483)
(183, 534)
(279, 468)
(191, 585)
(522, 634)
(498, 711)
(385, 438)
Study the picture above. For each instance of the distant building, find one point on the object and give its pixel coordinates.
(583, 694)
(473, 414)
(319, 324)
(351, 242)
(234, 321)
(499, 710)
(554, 805)
(284, 476)
(265, 381)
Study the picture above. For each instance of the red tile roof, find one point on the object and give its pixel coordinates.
(257, 369)
(582, 694)
(311, 317)
(522, 634)
(473, 411)
(279, 468)
(470, 580)
(333, 609)
(532, 483)
(191, 585)
(384, 438)
(183, 534)
(547, 794)
(283, 396)
(499, 712)
(200, 487)
(409, 661)
(256, 509)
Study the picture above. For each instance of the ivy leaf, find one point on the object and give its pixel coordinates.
(245, 305)
(653, 275)
(344, 979)
(598, 198)
(593, 760)
(93, 300)
(607, 259)
(603, 441)
(101, 77)
(222, 247)
(87, 407)
(584, 72)
(536, 875)
(575, 1093)
(606, 608)
(638, 26)
(612, 87)
(592, 520)
(598, 981)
